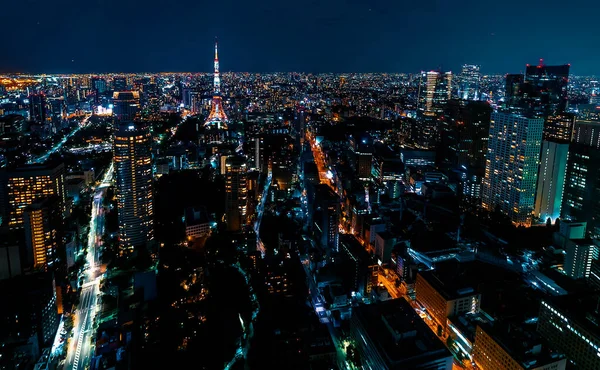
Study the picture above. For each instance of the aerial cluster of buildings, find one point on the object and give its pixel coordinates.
(431, 220)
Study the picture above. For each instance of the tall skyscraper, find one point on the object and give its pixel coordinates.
(512, 165)
(20, 187)
(327, 217)
(470, 79)
(43, 233)
(541, 91)
(581, 200)
(38, 110)
(427, 89)
(558, 132)
(235, 192)
(133, 169)
(126, 105)
(217, 117)
(551, 180)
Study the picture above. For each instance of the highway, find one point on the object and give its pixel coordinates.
(55, 148)
(80, 349)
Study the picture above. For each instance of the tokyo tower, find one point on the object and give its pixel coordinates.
(217, 117)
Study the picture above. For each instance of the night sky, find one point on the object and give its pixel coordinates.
(81, 36)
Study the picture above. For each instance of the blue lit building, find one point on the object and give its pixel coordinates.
(511, 170)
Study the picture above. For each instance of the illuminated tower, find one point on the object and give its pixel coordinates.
(133, 169)
(217, 117)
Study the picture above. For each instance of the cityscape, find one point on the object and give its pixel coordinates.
(433, 219)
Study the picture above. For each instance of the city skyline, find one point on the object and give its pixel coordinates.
(340, 36)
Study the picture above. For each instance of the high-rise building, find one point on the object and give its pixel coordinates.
(512, 165)
(133, 169)
(427, 85)
(587, 132)
(559, 127)
(119, 84)
(567, 323)
(38, 110)
(126, 105)
(514, 83)
(581, 199)
(43, 233)
(548, 86)
(442, 92)
(579, 257)
(470, 79)
(20, 187)
(541, 91)
(364, 161)
(551, 180)
(217, 117)
(29, 314)
(327, 217)
(99, 85)
(235, 192)
(465, 131)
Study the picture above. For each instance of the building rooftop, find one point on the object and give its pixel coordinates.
(399, 334)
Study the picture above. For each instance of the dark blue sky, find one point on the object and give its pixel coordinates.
(310, 36)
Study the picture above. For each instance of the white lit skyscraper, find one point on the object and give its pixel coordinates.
(512, 165)
(578, 260)
(133, 169)
(470, 78)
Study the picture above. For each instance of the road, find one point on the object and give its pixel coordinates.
(80, 349)
(55, 148)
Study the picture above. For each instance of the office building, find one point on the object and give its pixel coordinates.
(364, 161)
(501, 347)
(581, 199)
(133, 170)
(551, 180)
(390, 335)
(327, 218)
(470, 79)
(427, 88)
(43, 233)
(119, 84)
(547, 87)
(126, 105)
(446, 292)
(30, 314)
(587, 132)
(568, 324)
(38, 109)
(465, 130)
(21, 186)
(197, 224)
(512, 166)
(559, 127)
(579, 257)
(235, 192)
(542, 91)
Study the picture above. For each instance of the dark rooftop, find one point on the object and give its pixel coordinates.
(399, 334)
